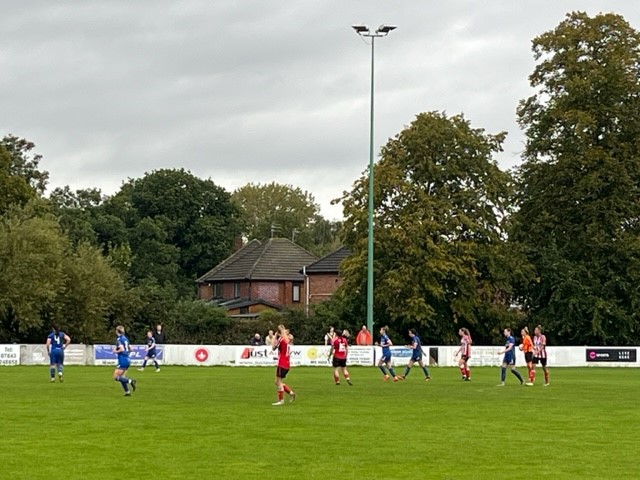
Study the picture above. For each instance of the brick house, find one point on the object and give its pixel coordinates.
(323, 276)
(259, 276)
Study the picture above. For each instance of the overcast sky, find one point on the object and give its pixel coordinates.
(258, 90)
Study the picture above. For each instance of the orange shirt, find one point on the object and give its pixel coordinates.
(527, 344)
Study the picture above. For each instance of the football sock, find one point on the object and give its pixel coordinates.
(406, 371)
(286, 388)
(532, 375)
(144, 363)
(280, 395)
(463, 371)
(52, 370)
(426, 371)
(60, 367)
(336, 377)
(503, 374)
(392, 371)
(468, 372)
(517, 374)
(124, 381)
(156, 364)
(383, 370)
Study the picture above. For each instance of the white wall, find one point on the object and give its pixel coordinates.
(310, 355)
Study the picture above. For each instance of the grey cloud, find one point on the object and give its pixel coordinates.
(256, 90)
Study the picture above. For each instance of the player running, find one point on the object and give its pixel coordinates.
(527, 348)
(122, 349)
(282, 344)
(465, 353)
(150, 353)
(539, 355)
(386, 343)
(339, 349)
(416, 356)
(509, 358)
(57, 342)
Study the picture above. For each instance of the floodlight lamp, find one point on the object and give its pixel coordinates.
(385, 29)
(360, 29)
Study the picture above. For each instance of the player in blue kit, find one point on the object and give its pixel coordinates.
(57, 342)
(416, 356)
(385, 343)
(509, 359)
(150, 353)
(122, 349)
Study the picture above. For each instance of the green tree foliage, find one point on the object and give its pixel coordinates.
(440, 258)
(92, 290)
(179, 226)
(14, 189)
(284, 211)
(579, 207)
(32, 264)
(25, 163)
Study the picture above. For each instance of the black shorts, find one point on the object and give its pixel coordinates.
(465, 358)
(339, 362)
(281, 372)
(528, 356)
(542, 361)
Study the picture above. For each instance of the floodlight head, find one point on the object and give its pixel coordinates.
(385, 29)
(360, 29)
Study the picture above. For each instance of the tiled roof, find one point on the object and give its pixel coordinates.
(276, 259)
(329, 263)
(245, 302)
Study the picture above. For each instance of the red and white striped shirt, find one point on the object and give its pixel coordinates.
(465, 346)
(540, 346)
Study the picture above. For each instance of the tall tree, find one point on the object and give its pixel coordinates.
(31, 260)
(579, 208)
(283, 211)
(176, 222)
(440, 201)
(25, 162)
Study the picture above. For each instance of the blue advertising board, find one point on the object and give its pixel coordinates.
(104, 353)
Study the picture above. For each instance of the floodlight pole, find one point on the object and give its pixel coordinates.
(364, 31)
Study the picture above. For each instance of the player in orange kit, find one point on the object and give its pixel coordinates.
(527, 348)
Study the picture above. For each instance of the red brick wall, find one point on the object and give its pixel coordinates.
(278, 292)
(205, 291)
(322, 286)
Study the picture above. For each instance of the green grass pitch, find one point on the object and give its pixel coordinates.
(202, 423)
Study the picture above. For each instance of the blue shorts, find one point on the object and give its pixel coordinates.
(416, 358)
(386, 357)
(151, 353)
(56, 356)
(509, 359)
(123, 364)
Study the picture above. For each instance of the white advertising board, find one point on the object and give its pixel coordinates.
(9, 355)
(37, 355)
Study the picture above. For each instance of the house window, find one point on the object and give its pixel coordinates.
(296, 292)
(236, 290)
(244, 310)
(217, 290)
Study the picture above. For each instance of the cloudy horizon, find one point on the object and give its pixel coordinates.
(257, 91)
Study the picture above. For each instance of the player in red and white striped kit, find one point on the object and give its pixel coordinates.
(282, 343)
(539, 355)
(465, 353)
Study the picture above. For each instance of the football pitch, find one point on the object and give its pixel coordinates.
(204, 423)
